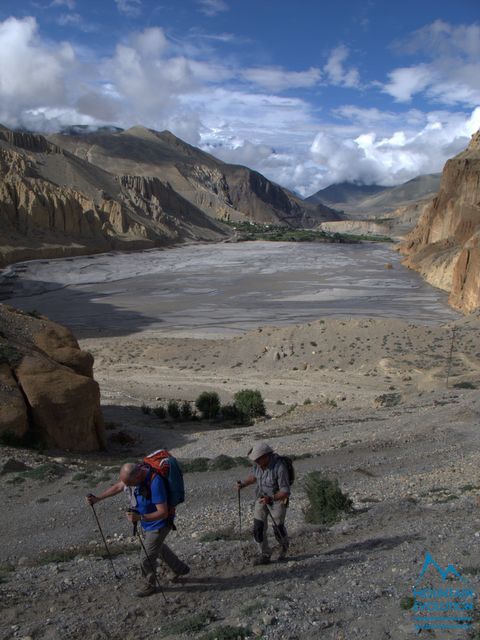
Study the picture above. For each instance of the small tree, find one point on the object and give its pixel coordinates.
(230, 412)
(208, 403)
(160, 412)
(249, 403)
(326, 499)
(186, 411)
(173, 409)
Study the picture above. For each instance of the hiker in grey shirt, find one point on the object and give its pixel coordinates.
(270, 475)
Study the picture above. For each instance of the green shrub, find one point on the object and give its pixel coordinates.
(249, 403)
(190, 625)
(307, 401)
(186, 411)
(242, 461)
(326, 499)
(160, 412)
(208, 403)
(222, 462)
(464, 385)
(173, 410)
(407, 603)
(230, 412)
(197, 464)
(46, 471)
(226, 633)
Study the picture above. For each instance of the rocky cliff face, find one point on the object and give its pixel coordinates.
(53, 203)
(47, 390)
(445, 245)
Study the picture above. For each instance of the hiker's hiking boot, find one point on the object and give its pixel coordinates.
(146, 590)
(261, 560)
(282, 556)
(177, 577)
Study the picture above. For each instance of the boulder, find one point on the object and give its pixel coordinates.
(13, 410)
(46, 384)
(64, 405)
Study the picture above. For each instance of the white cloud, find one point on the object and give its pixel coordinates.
(405, 82)
(278, 79)
(452, 74)
(70, 4)
(129, 7)
(212, 7)
(237, 114)
(75, 20)
(397, 157)
(35, 74)
(335, 69)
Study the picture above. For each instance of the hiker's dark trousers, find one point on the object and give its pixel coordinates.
(156, 548)
(260, 525)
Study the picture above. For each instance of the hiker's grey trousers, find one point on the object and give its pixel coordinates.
(260, 524)
(156, 548)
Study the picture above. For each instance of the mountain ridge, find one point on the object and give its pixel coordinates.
(369, 201)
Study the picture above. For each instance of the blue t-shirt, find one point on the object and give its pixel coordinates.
(148, 495)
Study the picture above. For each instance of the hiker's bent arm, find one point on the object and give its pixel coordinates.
(108, 493)
(161, 513)
(250, 480)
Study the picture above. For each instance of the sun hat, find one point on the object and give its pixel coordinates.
(259, 450)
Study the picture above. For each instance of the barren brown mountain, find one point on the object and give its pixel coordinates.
(221, 190)
(53, 203)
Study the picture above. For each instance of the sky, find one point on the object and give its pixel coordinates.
(309, 93)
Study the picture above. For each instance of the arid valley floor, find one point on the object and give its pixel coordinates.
(362, 400)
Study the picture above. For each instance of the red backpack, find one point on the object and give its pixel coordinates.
(164, 464)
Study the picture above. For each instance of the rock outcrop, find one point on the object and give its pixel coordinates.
(445, 245)
(47, 390)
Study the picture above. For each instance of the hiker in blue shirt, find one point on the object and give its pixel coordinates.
(148, 499)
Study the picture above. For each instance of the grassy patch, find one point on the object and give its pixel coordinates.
(226, 632)
(66, 555)
(407, 602)
(448, 498)
(198, 464)
(464, 385)
(6, 572)
(251, 607)
(221, 463)
(190, 625)
(228, 533)
(47, 471)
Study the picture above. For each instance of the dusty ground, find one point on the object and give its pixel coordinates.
(411, 469)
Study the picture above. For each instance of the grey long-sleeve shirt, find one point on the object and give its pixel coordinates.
(272, 479)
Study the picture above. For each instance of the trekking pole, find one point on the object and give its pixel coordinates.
(137, 533)
(450, 355)
(240, 514)
(282, 537)
(104, 541)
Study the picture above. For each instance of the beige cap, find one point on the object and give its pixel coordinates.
(258, 450)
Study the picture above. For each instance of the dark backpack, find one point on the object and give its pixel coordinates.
(291, 471)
